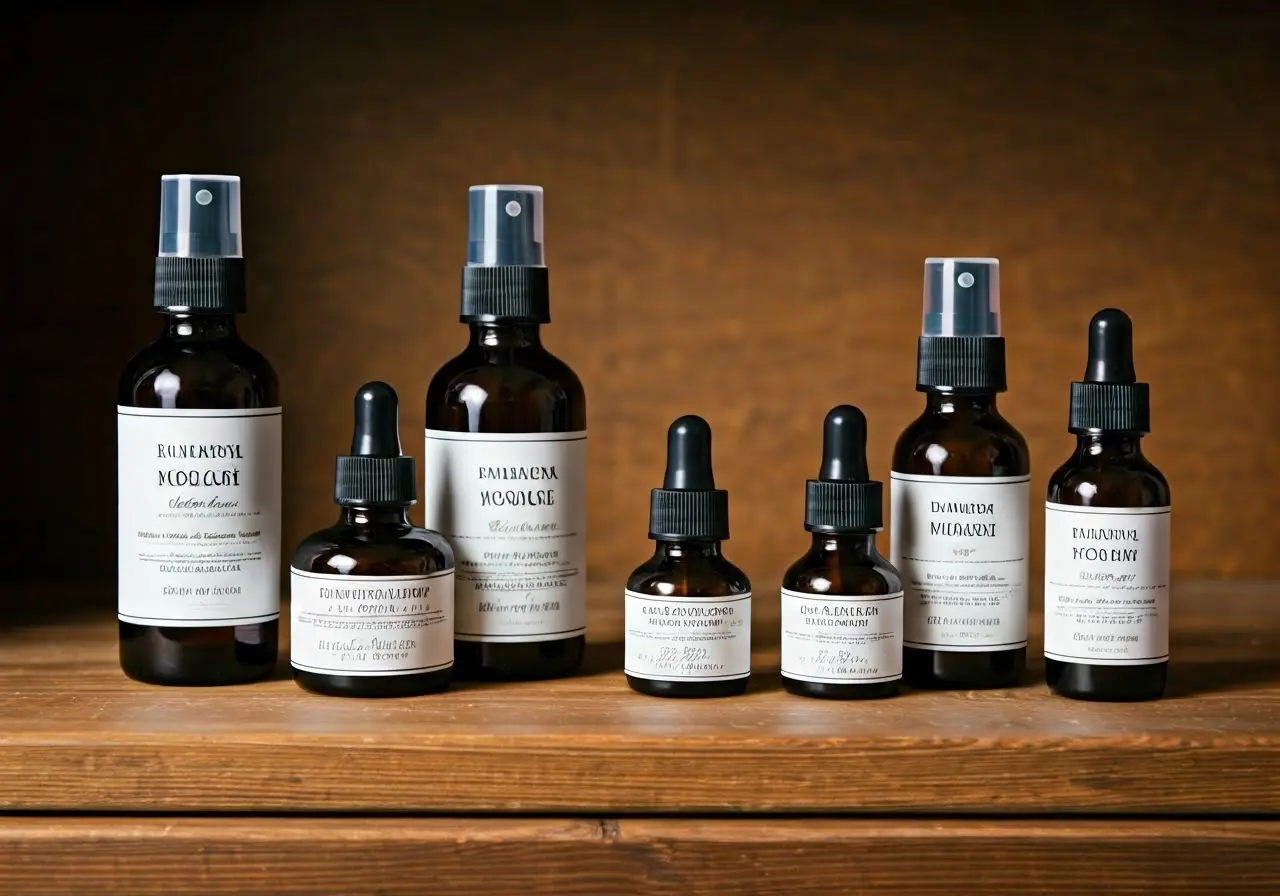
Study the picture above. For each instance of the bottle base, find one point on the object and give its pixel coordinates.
(943, 670)
(1106, 684)
(374, 685)
(824, 690)
(656, 688)
(518, 661)
(199, 657)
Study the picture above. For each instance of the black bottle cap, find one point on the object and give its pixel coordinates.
(199, 264)
(961, 346)
(375, 474)
(1110, 399)
(689, 507)
(505, 280)
(844, 498)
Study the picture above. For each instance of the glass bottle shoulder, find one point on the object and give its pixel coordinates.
(839, 572)
(346, 549)
(1131, 482)
(688, 577)
(526, 389)
(961, 444)
(221, 374)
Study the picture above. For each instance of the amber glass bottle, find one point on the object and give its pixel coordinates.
(505, 464)
(371, 599)
(1106, 577)
(842, 601)
(688, 609)
(960, 495)
(198, 420)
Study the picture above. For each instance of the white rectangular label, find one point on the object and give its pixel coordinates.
(199, 516)
(514, 506)
(960, 543)
(841, 639)
(688, 638)
(1106, 585)
(371, 625)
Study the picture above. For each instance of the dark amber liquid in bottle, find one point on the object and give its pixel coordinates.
(382, 542)
(845, 564)
(204, 365)
(506, 382)
(1108, 470)
(968, 433)
(689, 569)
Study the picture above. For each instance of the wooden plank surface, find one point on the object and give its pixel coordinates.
(388, 857)
(590, 745)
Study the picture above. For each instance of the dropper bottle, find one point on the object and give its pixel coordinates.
(1106, 575)
(842, 601)
(960, 494)
(199, 454)
(372, 596)
(688, 609)
(504, 473)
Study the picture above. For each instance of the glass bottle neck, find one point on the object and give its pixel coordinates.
(199, 327)
(958, 403)
(678, 550)
(847, 545)
(504, 335)
(1096, 445)
(374, 516)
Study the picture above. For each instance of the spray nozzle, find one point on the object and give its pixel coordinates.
(961, 297)
(844, 446)
(504, 226)
(689, 455)
(377, 432)
(1110, 348)
(200, 216)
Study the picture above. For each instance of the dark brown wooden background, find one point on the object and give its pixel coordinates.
(740, 197)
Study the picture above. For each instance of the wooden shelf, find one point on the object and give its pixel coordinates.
(76, 737)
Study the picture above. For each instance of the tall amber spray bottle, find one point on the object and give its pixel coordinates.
(688, 609)
(842, 601)
(1106, 536)
(198, 420)
(504, 473)
(959, 493)
(371, 597)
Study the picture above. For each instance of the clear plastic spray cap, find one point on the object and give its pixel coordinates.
(505, 226)
(961, 297)
(200, 216)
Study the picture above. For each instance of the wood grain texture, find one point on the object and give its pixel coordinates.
(590, 745)
(739, 200)
(314, 857)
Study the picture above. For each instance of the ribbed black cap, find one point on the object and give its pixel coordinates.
(199, 284)
(1110, 399)
(961, 362)
(844, 498)
(375, 474)
(689, 507)
(506, 293)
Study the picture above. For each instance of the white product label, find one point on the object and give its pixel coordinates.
(841, 639)
(1106, 585)
(199, 516)
(371, 625)
(688, 638)
(514, 506)
(960, 543)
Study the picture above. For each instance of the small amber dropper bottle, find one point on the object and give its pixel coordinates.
(688, 609)
(1106, 539)
(372, 595)
(842, 601)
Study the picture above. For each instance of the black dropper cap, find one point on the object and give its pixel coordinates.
(375, 474)
(689, 507)
(844, 498)
(1110, 399)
